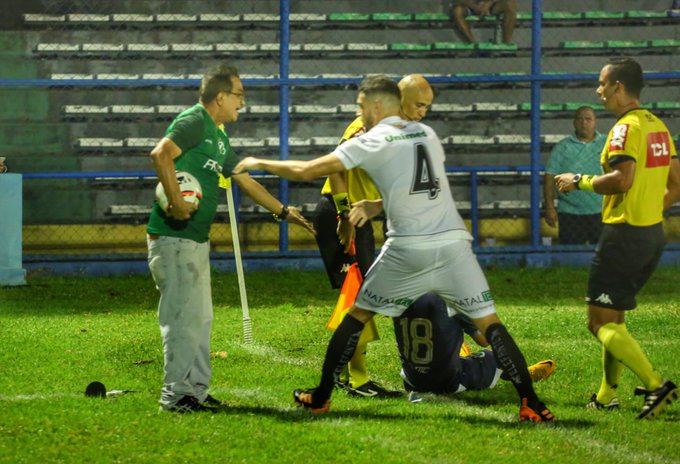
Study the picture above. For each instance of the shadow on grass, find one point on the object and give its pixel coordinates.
(300, 415)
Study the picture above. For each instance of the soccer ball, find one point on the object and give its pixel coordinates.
(188, 185)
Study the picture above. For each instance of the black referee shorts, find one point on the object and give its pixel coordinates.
(335, 260)
(625, 259)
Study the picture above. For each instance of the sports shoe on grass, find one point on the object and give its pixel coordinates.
(539, 371)
(464, 350)
(341, 384)
(594, 404)
(305, 398)
(657, 400)
(535, 412)
(187, 404)
(372, 389)
(542, 370)
(212, 402)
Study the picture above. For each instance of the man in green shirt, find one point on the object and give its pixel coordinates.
(579, 213)
(177, 238)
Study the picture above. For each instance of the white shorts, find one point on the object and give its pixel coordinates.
(409, 267)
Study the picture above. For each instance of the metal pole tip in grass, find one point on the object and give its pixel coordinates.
(247, 325)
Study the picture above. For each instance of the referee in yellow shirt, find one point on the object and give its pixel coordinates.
(335, 233)
(641, 178)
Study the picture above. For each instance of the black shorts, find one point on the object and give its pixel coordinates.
(335, 260)
(625, 258)
(578, 229)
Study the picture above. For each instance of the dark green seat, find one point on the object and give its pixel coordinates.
(667, 105)
(410, 47)
(391, 17)
(627, 43)
(349, 17)
(664, 43)
(476, 19)
(496, 47)
(452, 46)
(604, 14)
(431, 17)
(573, 106)
(561, 15)
(575, 44)
(644, 14)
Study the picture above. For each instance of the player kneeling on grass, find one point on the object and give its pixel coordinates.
(430, 343)
(428, 247)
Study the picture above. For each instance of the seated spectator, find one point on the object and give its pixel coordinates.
(460, 9)
(675, 9)
(579, 213)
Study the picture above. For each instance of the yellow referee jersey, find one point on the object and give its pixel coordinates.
(359, 184)
(639, 135)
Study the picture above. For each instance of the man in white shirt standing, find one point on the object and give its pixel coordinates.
(428, 248)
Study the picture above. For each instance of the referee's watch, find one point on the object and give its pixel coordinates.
(576, 180)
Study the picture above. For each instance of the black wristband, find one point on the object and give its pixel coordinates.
(282, 215)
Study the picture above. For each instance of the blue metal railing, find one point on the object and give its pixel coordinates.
(535, 78)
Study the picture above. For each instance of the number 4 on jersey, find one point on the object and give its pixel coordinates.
(422, 178)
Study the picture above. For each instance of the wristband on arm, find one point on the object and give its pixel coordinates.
(341, 201)
(282, 215)
(586, 183)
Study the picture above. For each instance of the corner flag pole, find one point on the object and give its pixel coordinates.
(247, 325)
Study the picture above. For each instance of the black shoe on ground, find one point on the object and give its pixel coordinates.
(187, 404)
(372, 389)
(657, 400)
(306, 399)
(342, 384)
(594, 404)
(212, 402)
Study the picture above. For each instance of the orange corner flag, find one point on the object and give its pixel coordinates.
(348, 293)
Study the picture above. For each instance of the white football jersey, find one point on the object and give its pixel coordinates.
(405, 159)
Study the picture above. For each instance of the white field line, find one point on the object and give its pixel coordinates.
(273, 354)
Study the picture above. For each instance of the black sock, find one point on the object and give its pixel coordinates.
(510, 359)
(340, 350)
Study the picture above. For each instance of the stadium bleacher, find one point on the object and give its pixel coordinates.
(121, 70)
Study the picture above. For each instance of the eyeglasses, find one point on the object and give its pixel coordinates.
(240, 95)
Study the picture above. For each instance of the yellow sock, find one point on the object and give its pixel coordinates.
(358, 373)
(623, 347)
(611, 368)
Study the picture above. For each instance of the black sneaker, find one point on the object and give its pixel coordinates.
(187, 404)
(306, 399)
(372, 389)
(212, 402)
(657, 400)
(341, 384)
(594, 404)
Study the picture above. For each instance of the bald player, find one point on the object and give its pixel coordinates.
(335, 233)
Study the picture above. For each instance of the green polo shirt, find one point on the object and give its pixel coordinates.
(572, 155)
(206, 152)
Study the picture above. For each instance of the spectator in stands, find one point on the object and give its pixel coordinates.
(641, 179)
(675, 9)
(460, 9)
(335, 233)
(579, 213)
(178, 237)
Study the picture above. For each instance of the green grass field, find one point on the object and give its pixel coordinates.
(58, 334)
